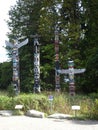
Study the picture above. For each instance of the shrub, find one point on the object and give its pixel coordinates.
(61, 103)
(32, 101)
(6, 103)
(95, 110)
(11, 90)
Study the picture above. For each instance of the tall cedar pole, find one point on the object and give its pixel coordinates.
(16, 79)
(36, 64)
(57, 66)
(71, 78)
(71, 72)
(15, 58)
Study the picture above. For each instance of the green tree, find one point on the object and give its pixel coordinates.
(5, 75)
(24, 22)
(77, 23)
(91, 46)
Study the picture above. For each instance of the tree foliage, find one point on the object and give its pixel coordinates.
(5, 74)
(91, 40)
(77, 23)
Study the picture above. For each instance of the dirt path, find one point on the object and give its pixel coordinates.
(29, 123)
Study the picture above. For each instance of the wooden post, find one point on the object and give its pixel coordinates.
(71, 71)
(15, 58)
(36, 64)
(57, 75)
(71, 78)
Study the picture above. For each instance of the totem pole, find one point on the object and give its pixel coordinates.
(57, 75)
(36, 64)
(71, 78)
(71, 71)
(15, 58)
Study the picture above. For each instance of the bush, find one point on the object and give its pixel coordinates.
(61, 104)
(95, 110)
(11, 91)
(32, 101)
(6, 103)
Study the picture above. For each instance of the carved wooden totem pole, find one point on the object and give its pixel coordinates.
(71, 71)
(15, 58)
(36, 65)
(57, 75)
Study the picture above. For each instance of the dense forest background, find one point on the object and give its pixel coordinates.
(77, 22)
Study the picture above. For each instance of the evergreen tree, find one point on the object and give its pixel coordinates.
(5, 75)
(23, 23)
(91, 45)
(77, 23)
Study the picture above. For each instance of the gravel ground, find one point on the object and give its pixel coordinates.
(29, 123)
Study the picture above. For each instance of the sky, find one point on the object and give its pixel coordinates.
(4, 8)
